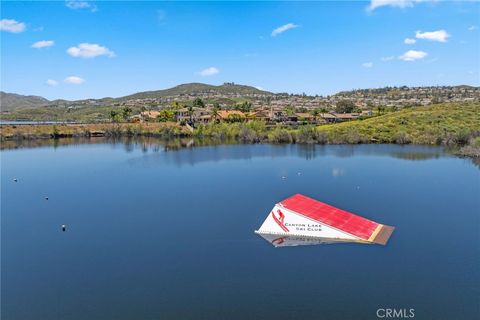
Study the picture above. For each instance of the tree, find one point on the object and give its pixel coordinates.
(113, 115)
(190, 113)
(235, 118)
(380, 109)
(315, 114)
(198, 103)
(126, 111)
(290, 110)
(345, 106)
(176, 105)
(214, 112)
(166, 115)
(245, 106)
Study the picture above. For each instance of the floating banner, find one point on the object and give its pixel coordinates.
(302, 217)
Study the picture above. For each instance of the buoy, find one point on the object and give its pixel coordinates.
(46, 198)
(15, 180)
(283, 177)
(64, 227)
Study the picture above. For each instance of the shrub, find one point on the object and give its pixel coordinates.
(306, 134)
(280, 135)
(462, 137)
(248, 135)
(402, 137)
(55, 132)
(476, 142)
(322, 138)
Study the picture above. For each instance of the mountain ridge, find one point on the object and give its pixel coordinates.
(13, 101)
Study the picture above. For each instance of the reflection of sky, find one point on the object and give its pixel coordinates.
(178, 225)
(336, 172)
(192, 156)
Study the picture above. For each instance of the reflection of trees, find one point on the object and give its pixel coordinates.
(307, 151)
(245, 151)
(415, 155)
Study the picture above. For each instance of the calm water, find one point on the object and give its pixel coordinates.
(158, 234)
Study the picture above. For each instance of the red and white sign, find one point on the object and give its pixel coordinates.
(306, 217)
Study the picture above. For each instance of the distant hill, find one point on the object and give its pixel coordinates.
(12, 101)
(196, 88)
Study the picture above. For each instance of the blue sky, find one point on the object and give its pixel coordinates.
(79, 49)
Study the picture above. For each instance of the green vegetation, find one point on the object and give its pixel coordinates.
(455, 125)
(447, 124)
(79, 114)
(166, 115)
(346, 106)
(193, 88)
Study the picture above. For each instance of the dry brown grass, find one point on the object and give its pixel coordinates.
(87, 130)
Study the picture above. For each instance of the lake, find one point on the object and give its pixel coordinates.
(155, 232)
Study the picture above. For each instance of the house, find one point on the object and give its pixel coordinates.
(150, 114)
(200, 115)
(328, 117)
(136, 118)
(259, 115)
(346, 116)
(228, 115)
(307, 117)
(278, 115)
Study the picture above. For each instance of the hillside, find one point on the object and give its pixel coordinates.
(12, 101)
(196, 88)
(451, 123)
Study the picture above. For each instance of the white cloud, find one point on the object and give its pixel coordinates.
(374, 4)
(52, 83)
(74, 80)
(412, 55)
(43, 44)
(367, 64)
(409, 41)
(209, 72)
(472, 28)
(389, 58)
(78, 5)
(11, 25)
(439, 35)
(89, 50)
(284, 28)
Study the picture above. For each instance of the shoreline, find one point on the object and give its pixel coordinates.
(454, 126)
(11, 136)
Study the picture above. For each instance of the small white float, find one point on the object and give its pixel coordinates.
(302, 220)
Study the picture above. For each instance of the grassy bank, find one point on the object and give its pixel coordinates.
(456, 125)
(447, 124)
(19, 132)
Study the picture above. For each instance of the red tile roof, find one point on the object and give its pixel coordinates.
(331, 216)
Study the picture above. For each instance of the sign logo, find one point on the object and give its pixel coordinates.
(279, 241)
(392, 313)
(279, 220)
